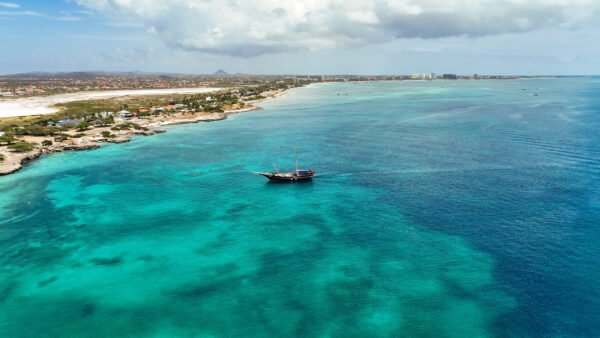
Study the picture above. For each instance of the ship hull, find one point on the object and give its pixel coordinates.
(286, 177)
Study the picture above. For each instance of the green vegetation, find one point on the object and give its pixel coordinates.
(61, 137)
(80, 109)
(1, 157)
(8, 123)
(7, 139)
(46, 143)
(128, 126)
(83, 126)
(38, 130)
(105, 122)
(21, 147)
(107, 134)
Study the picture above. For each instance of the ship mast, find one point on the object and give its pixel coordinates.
(296, 159)
(276, 164)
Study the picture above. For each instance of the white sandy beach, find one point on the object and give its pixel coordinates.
(40, 105)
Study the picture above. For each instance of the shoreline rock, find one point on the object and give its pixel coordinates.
(119, 139)
(7, 169)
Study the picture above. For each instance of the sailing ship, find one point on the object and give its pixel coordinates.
(297, 175)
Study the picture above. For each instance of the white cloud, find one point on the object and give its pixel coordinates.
(254, 27)
(27, 13)
(9, 5)
(20, 13)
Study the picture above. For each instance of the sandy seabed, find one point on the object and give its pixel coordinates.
(41, 105)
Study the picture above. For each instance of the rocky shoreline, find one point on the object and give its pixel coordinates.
(18, 162)
(93, 138)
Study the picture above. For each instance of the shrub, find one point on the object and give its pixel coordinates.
(60, 137)
(21, 147)
(83, 126)
(46, 143)
(1, 157)
(37, 130)
(105, 122)
(7, 139)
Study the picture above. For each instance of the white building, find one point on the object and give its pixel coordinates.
(423, 76)
(126, 114)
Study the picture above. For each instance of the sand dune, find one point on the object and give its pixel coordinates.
(40, 105)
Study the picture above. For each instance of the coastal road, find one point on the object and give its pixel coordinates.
(41, 105)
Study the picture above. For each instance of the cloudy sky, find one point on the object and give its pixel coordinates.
(302, 36)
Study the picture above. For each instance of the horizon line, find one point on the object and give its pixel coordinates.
(279, 74)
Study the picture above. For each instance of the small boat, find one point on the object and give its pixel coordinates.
(297, 175)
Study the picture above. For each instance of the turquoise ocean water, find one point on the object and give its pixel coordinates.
(441, 209)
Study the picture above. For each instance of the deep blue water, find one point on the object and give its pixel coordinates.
(444, 208)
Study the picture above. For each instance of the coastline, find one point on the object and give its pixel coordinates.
(93, 138)
(42, 105)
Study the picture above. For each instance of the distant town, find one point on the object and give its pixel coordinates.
(41, 84)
